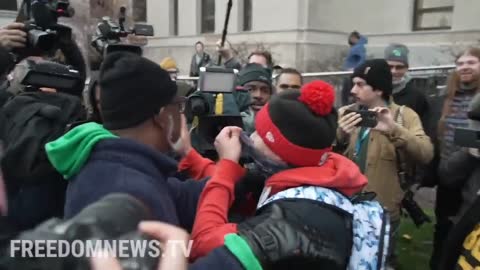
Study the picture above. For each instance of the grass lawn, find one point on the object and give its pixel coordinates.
(414, 246)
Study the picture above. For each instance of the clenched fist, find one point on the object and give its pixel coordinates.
(228, 144)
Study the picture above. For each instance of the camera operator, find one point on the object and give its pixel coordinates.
(34, 193)
(13, 37)
(374, 148)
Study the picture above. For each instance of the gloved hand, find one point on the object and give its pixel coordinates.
(273, 238)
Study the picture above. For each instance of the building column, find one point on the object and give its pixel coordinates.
(188, 17)
(158, 15)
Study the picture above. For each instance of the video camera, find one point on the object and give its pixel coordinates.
(213, 106)
(115, 217)
(48, 74)
(41, 23)
(108, 36)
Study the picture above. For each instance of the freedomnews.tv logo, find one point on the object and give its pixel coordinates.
(98, 248)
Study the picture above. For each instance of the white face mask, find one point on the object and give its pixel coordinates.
(176, 146)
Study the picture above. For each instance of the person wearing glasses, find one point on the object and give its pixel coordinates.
(404, 90)
(142, 122)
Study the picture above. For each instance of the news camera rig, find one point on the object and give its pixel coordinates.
(214, 105)
(114, 217)
(108, 37)
(41, 22)
(45, 35)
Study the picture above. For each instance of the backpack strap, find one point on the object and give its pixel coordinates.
(399, 116)
(402, 166)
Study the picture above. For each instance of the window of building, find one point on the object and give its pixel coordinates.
(433, 15)
(208, 16)
(8, 5)
(247, 15)
(140, 10)
(175, 18)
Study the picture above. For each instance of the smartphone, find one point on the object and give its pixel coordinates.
(369, 118)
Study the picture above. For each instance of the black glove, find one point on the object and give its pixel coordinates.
(272, 239)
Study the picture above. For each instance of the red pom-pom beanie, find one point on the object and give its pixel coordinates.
(300, 126)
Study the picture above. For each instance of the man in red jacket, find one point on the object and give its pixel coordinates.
(292, 147)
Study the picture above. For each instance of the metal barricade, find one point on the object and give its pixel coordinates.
(430, 79)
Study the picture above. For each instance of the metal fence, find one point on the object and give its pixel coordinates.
(430, 79)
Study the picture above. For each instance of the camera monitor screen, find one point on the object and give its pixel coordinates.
(217, 81)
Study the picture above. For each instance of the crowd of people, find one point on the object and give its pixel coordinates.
(300, 184)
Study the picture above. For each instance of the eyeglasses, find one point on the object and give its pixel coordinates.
(180, 102)
(287, 86)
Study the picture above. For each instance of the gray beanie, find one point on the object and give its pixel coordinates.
(397, 52)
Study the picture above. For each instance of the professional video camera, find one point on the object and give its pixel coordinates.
(115, 217)
(47, 74)
(405, 178)
(108, 36)
(213, 106)
(41, 23)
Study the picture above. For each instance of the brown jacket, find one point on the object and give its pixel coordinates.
(381, 165)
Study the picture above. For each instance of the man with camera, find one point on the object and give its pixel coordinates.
(30, 116)
(375, 129)
(13, 38)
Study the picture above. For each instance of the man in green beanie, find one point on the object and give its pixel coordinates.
(257, 80)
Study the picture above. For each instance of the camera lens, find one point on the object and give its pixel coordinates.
(41, 39)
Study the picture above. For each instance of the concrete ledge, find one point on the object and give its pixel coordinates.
(284, 37)
(8, 14)
(428, 38)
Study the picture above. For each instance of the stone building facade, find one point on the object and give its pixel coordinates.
(308, 34)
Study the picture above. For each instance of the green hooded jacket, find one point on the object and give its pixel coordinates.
(69, 153)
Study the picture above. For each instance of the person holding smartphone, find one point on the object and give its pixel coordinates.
(373, 128)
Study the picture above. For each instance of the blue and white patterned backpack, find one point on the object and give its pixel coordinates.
(371, 223)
